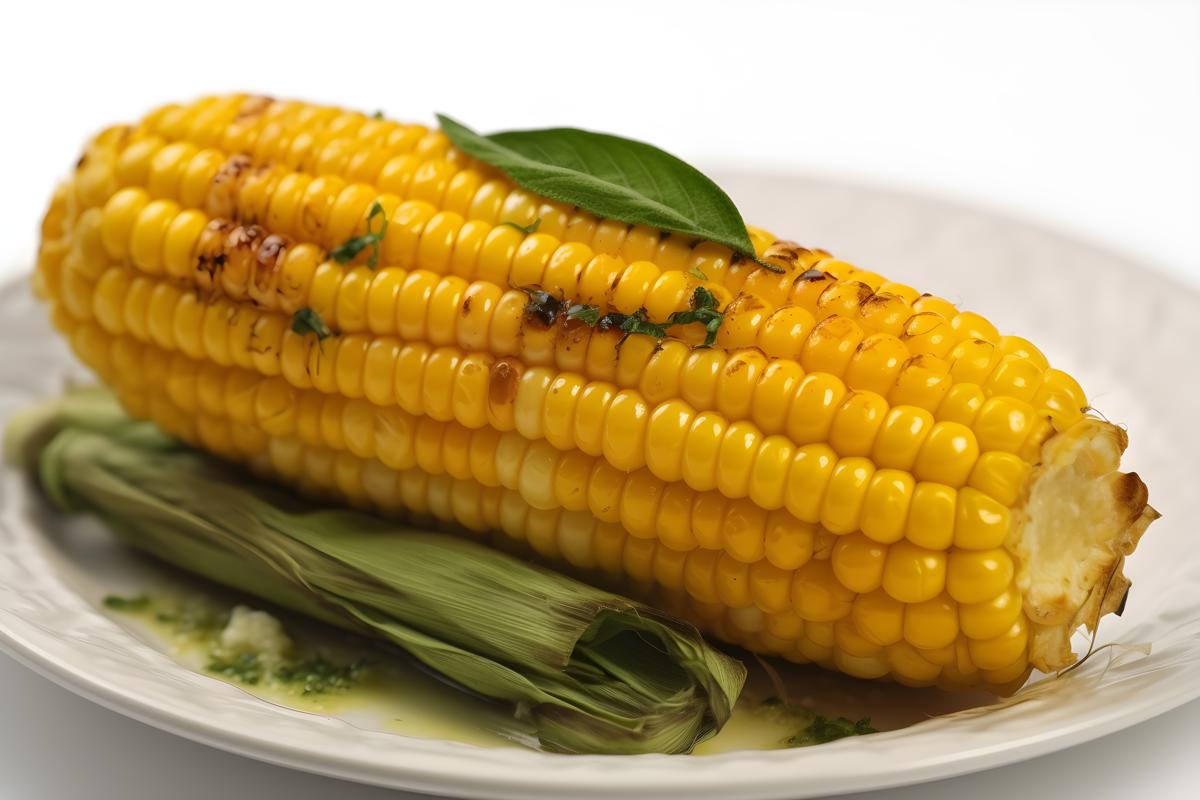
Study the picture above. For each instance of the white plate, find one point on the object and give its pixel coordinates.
(1126, 333)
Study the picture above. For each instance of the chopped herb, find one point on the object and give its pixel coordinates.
(823, 729)
(377, 115)
(244, 667)
(319, 675)
(372, 239)
(587, 314)
(704, 311)
(139, 602)
(699, 273)
(306, 321)
(637, 323)
(193, 618)
(525, 229)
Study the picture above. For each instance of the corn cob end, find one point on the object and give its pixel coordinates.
(1080, 517)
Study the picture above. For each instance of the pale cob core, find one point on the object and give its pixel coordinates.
(856, 475)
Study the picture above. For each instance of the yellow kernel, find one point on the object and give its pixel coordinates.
(876, 363)
(742, 530)
(856, 423)
(948, 455)
(990, 618)
(773, 395)
(932, 624)
(974, 576)
(770, 587)
(810, 474)
(901, 437)
(961, 404)
(812, 410)
(886, 505)
(980, 521)
(858, 562)
(1001, 476)
(817, 595)
(931, 517)
(913, 574)
(1003, 649)
(841, 508)
(1003, 424)
(878, 617)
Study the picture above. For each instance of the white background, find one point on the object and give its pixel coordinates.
(1082, 116)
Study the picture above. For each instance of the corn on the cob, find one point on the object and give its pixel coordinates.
(855, 474)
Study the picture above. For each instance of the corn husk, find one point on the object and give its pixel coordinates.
(585, 670)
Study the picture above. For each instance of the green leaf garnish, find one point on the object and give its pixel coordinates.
(587, 314)
(823, 729)
(637, 323)
(697, 272)
(372, 238)
(612, 177)
(377, 115)
(116, 602)
(306, 321)
(525, 229)
(704, 311)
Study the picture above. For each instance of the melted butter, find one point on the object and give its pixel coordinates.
(394, 695)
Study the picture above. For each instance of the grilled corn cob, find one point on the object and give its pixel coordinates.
(856, 474)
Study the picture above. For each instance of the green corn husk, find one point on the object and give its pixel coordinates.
(589, 671)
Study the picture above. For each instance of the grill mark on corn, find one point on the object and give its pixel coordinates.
(225, 185)
(541, 310)
(502, 382)
(865, 293)
(268, 260)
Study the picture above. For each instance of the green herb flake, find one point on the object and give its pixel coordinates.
(698, 273)
(638, 323)
(245, 668)
(306, 321)
(703, 311)
(138, 602)
(525, 229)
(372, 239)
(377, 115)
(823, 729)
(587, 314)
(318, 675)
